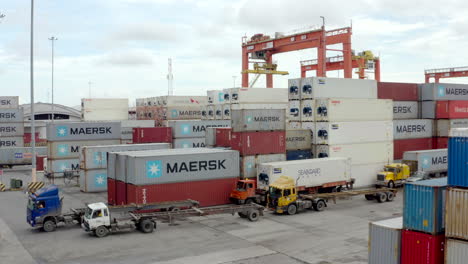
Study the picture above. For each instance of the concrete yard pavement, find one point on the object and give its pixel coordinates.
(337, 235)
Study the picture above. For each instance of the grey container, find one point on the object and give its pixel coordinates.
(95, 157)
(173, 165)
(19, 156)
(456, 251)
(443, 91)
(71, 149)
(11, 142)
(194, 128)
(11, 115)
(11, 129)
(297, 139)
(443, 126)
(9, 102)
(258, 120)
(428, 109)
(126, 133)
(406, 110)
(185, 143)
(430, 161)
(61, 165)
(248, 164)
(413, 128)
(210, 137)
(93, 180)
(385, 241)
(83, 131)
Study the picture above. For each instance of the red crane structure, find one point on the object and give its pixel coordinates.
(261, 47)
(445, 73)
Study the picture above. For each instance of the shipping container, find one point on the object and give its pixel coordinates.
(215, 96)
(120, 193)
(263, 142)
(19, 156)
(258, 120)
(152, 135)
(210, 137)
(248, 164)
(61, 165)
(227, 112)
(458, 157)
(11, 115)
(443, 126)
(445, 109)
(11, 129)
(307, 110)
(9, 102)
(421, 248)
(83, 131)
(207, 192)
(398, 91)
(433, 161)
(111, 191)
(189, 143)
(456, 212)
(405, 110)
(335, 133)
(402, 145)
(440, 142)
(298, 139)
(321, 87)
(193, 128)
(71, 149)
(365, 175)
(293, 125)
(93, 180)
(40, 161)
(456, 251)
(361, 153)
(176, 100)
(310, 126)
(299, 154)
(443, 91)
(187, 112)
(306, 173)
(227, 95)
(424, 206)
(350, 109)
(204, 112)
(294, 86)
(94, 109)
(174, 165)
(413, 128)
(294, 112)
(210, 112)
(218, 112)
(258, 95)
(11, 142)
(136, 123)
(223, 137)
(385, 241)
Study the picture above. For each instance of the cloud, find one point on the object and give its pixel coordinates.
(127, 58)
(148, 31)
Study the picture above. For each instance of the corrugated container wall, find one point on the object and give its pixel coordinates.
(93, 180)
(9, 102)
(445, 109)
(405, 110)
(11, 142)
(443, 126)
(223, 137)
(434, 160)
(248, 164)
(262, 142)
(334, 133)
(385, 241)
(258, 95)
(189, 143)
(193, 128)
(71, 149)
(443, 91)
(458, 157)
(12, 156)
(362, 153)
(456, 213)
(365, 174)
(398, 91)
(93, 109)
(339, 110)
(402, 145)
(83, 131)
(152, 135)
(421, 248)
(320, 87)
(258, 120)
(298, 139)
(413, 128)
(11, 115)
(456, 251)
(11, 129)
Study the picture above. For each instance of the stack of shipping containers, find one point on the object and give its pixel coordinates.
(127, 127)
(11, 123)
(191, 133)
(385, 241)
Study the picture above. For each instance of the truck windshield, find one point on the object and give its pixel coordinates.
(30, 204)
(389, 169)
(241, 186)
(275, 192)
(88, 213)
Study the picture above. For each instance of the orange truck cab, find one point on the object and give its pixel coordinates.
(246, 192)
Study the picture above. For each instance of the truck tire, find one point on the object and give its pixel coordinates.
(242, 215)
(49, 225)
(292, 209)
(146, 226)
(369, 197)
(390, 196)
(248, 201)
(319, 205)
(381, 197)
(253, 215)
(391, 184)
(101, 231)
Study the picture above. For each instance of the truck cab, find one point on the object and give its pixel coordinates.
(96, 215)
(246, 192)
(43, 207)
(393, 174)
(282, 194)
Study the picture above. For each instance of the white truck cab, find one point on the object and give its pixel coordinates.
(96, 218)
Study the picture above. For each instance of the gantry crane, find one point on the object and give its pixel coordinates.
(362, 61)
(445, 73)
(262, 47)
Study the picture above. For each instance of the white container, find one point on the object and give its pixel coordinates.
(189, 143)
(321, 87)
(365, 175)
(257, 119)
(227, 95)
(293, 125)
(443, 126)
(362, 153)
(456, 210)
(311, 127)
(227, 111)
(413, 128)
(306, 173)
(249, 163)
(218, 112)
(350, 109)
(215, 97)
(259, 95)
(258, 106)
(294, 113)
(385, 241)
(405, 110)
(175, 100)
(456, 251)
(211, 112)
(307, 110)
(430, 161)
(137, 123)
(336, 133)
(294, 86)
(104, 109)
(298, 139)
(204, 112)
(9, 102)
(181, 112)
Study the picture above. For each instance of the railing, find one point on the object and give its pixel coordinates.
(338, 58)
(442, 70)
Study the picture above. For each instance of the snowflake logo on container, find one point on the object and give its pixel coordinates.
(441, 90)
(99, 158)
(185, 129)
(249, 119)
(153, 169)
(100, 180)
(62, 149)
(221, 96)
(62, 131)
(62, 167)
(249, 166)
(426, 162)
(174, 113)
(185, 144)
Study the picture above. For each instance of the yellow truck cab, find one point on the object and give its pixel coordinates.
(393, 174)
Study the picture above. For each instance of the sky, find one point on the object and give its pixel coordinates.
(120, 48)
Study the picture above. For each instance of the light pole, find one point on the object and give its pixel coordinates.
(33, 129)
(234, 81)
(53, 39)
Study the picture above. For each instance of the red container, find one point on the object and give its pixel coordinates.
(120, 193)
(402, 145)
(223, 137)
(440, 142)
(40, 162)
(208, 193)
(451, 109)
(398, 91)
(110, 191)
(422, 248)
(152, 135)
(262, 142)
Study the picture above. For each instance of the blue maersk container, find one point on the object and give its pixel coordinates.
(458, 157)
(423, 206)
(298, 154)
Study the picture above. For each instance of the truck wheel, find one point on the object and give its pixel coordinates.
(391, 184)
(146, 226)
(242, 215)
(292, 209)
(101, 231)
(319, 205)
(369, 197)
(49, 226)
(381, 197)
(253, 215)
(390, 196)
(249, 201)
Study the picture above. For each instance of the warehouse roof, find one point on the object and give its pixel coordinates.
(46, 108)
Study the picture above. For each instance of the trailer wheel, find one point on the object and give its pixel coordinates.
(390, 196)
(253, 215)
(101, 231)
(242, 215)
(369, 197)
(319, 205)
(146, 226)
(292, 209)
(381, 197)
(249, 201)
(49, 225)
